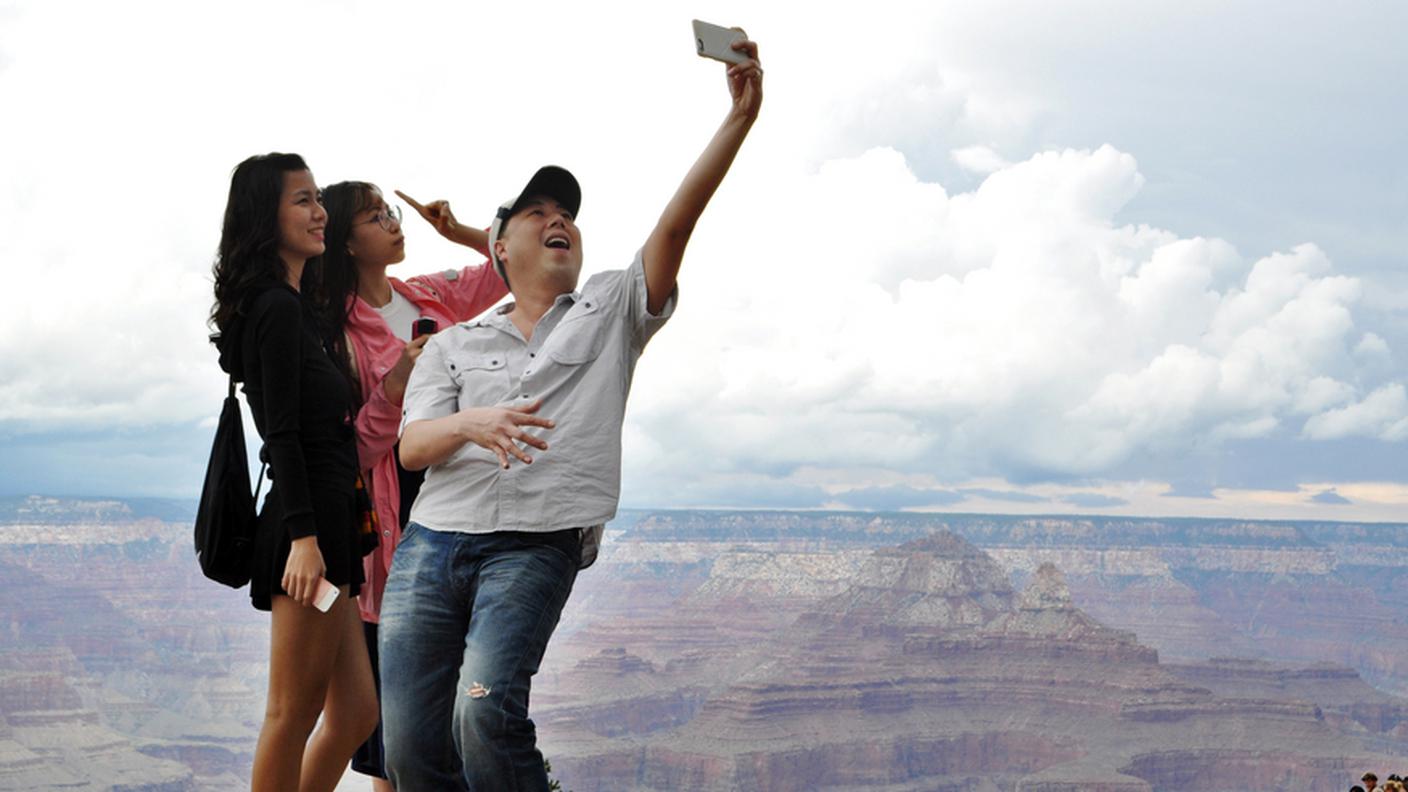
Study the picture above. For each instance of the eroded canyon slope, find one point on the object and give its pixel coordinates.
(805, 661)
(121, 668)
(782, 651)
(1297, 592)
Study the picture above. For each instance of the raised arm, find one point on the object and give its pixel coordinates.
(438, 214)
(664, 249)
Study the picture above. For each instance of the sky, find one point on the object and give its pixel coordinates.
(1141, 258)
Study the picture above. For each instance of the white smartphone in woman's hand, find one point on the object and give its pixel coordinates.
(712, 41)
(327, 595)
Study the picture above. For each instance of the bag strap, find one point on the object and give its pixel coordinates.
(259, 482)
(263, 463)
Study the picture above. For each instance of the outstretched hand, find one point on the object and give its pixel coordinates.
(437, 213)
(500, 430)
(664, 248)
(745, 80)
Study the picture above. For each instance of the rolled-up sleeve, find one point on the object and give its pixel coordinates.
(377, 425)
(636, 299)
(432, 391)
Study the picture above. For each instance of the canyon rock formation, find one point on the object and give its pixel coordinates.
(781, 651)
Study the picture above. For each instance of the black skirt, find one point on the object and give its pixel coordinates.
(335, 514)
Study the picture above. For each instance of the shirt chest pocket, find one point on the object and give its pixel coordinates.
(580, 337)
(482, 379)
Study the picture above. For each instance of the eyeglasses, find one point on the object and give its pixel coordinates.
(384, 218)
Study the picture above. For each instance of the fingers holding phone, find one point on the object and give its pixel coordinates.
(717, 42)
(745, 72)
(396, 379)
(745, 82)
(426, 325)
(303, 570)
(326, 595)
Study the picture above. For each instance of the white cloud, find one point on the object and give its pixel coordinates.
(978, 159)
(857, 310)
(121, 134)
(1321, 393)
(1014, 330)
(1373, 356)
(1382, 414)
(914, 103)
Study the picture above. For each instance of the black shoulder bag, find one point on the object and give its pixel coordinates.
(226, 520)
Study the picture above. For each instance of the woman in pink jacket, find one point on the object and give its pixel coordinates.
(372, 315)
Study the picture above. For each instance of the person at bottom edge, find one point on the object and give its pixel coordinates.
(507, 517)
(270, 339)
(370, 316)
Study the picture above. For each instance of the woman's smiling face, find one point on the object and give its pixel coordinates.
(301, 218)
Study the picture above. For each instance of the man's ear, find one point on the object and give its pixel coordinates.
(501, 252)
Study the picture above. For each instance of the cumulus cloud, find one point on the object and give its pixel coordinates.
(978, 159)
(1372, 347)
(903, 106)
(1373, 355)
(899, 302)
(1382, 414)
(138, 355)
(1015, 330)
(1321, 393)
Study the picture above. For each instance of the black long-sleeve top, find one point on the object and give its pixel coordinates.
(300, 403)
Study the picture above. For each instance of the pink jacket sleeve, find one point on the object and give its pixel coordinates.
(463, 294)
(467, 292)
(378, 426)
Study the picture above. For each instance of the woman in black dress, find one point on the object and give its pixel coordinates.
(270, 340)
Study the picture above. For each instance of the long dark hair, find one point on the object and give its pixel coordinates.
(249, 239)
(337, 277)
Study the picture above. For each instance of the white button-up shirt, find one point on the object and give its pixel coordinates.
(579, 362)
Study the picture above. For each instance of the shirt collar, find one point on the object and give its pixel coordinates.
(501, 313)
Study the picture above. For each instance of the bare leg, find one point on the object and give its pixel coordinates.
(382, 785)
(303, 647)
(350, 711)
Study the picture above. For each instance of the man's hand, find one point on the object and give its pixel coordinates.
(664, 248)
(500, 430)
(745, 80)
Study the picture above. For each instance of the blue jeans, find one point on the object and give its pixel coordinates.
(464, 623)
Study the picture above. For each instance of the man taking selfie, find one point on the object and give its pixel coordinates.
(507, 517)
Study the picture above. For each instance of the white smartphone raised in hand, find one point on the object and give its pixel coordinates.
(712, 41)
